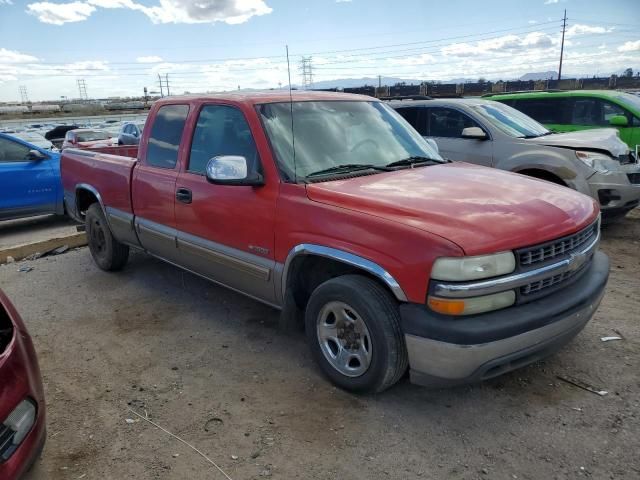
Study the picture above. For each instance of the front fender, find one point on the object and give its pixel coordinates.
(558, 161)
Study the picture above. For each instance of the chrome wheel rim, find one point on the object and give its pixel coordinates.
(344, 339)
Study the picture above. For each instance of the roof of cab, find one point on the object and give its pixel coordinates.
(254, 98)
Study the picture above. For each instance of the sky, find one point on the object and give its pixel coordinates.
(118, 47)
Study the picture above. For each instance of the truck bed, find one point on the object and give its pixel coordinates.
(110, 175)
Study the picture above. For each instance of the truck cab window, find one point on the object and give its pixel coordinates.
(12, 151)
(166, 132)
(221, 130)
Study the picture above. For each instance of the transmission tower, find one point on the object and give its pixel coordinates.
(164, 84)
(306, 68)
(82, 88)
(23, 94)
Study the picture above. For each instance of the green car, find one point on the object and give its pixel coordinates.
(567, 111)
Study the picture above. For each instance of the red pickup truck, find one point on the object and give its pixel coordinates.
(332, 208)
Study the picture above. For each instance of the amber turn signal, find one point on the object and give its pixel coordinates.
(446, 306)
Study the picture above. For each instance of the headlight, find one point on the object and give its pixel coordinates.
(17, 425)
(472, 305)
(459, 269)
(598, 161)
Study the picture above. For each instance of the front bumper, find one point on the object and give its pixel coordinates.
(615, 191)
(445, 351)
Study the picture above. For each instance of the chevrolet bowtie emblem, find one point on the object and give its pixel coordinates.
(577, 260)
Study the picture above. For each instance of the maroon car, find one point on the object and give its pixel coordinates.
(22, 411)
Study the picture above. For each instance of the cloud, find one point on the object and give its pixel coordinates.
(166, 11)
(60, 13)
(6, 2)
(149, 59)
(206, 11)
(504, 44)
(551, 2)
(11, 56)
(579, 29)
(630, 47)
(344, 1)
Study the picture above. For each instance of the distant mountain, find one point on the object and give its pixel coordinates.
(360, 82)
(550, 75)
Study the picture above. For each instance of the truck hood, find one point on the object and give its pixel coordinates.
(481, 209)
(595, 139)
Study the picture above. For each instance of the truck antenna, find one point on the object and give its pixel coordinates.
(293, 138)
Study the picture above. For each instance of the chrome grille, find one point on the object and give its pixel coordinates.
(535, 287)
(556, 248)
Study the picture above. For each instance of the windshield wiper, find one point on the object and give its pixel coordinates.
(347, 167)
(413, 161)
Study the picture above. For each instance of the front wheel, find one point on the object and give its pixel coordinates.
(107, 252)
(353, 329)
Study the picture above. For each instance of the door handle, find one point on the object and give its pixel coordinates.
(184, 195)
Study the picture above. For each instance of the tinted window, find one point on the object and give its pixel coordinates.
(221, 130)
(166, 133)
(446, 122)
(416, 117)
(593, 111)
(12, 151)
(551, 110)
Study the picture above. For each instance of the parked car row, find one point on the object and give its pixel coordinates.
(594, 162)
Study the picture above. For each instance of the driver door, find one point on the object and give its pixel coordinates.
(226, 232)
(27, 187)
(445, 126)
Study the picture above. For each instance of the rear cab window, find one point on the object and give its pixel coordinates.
(166, 133)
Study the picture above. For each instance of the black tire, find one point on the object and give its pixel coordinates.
(375, 306)
(109, 254)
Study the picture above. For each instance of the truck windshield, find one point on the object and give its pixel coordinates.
(340, 136)
(511, 121)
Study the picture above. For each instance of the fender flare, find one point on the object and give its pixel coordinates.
(343, 257)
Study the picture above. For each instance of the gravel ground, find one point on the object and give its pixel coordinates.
(210, 366)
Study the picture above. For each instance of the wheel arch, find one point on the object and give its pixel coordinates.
(85, 196)
(308, 265)
(543, 174)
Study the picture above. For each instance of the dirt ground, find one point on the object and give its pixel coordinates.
(211, 366)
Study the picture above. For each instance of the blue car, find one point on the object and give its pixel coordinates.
(29, 180)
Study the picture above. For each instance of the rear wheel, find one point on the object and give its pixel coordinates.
(353, 330)
(107, 252)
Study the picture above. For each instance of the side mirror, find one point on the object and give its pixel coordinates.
(619, 121)
(474, 133)
(35, 155)
(433, 144)
(232, 170)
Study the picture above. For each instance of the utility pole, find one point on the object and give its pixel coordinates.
(82, 88)
(307, 72)
(23, 94)
(166, 82)
(564, 27)
(379, 81)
